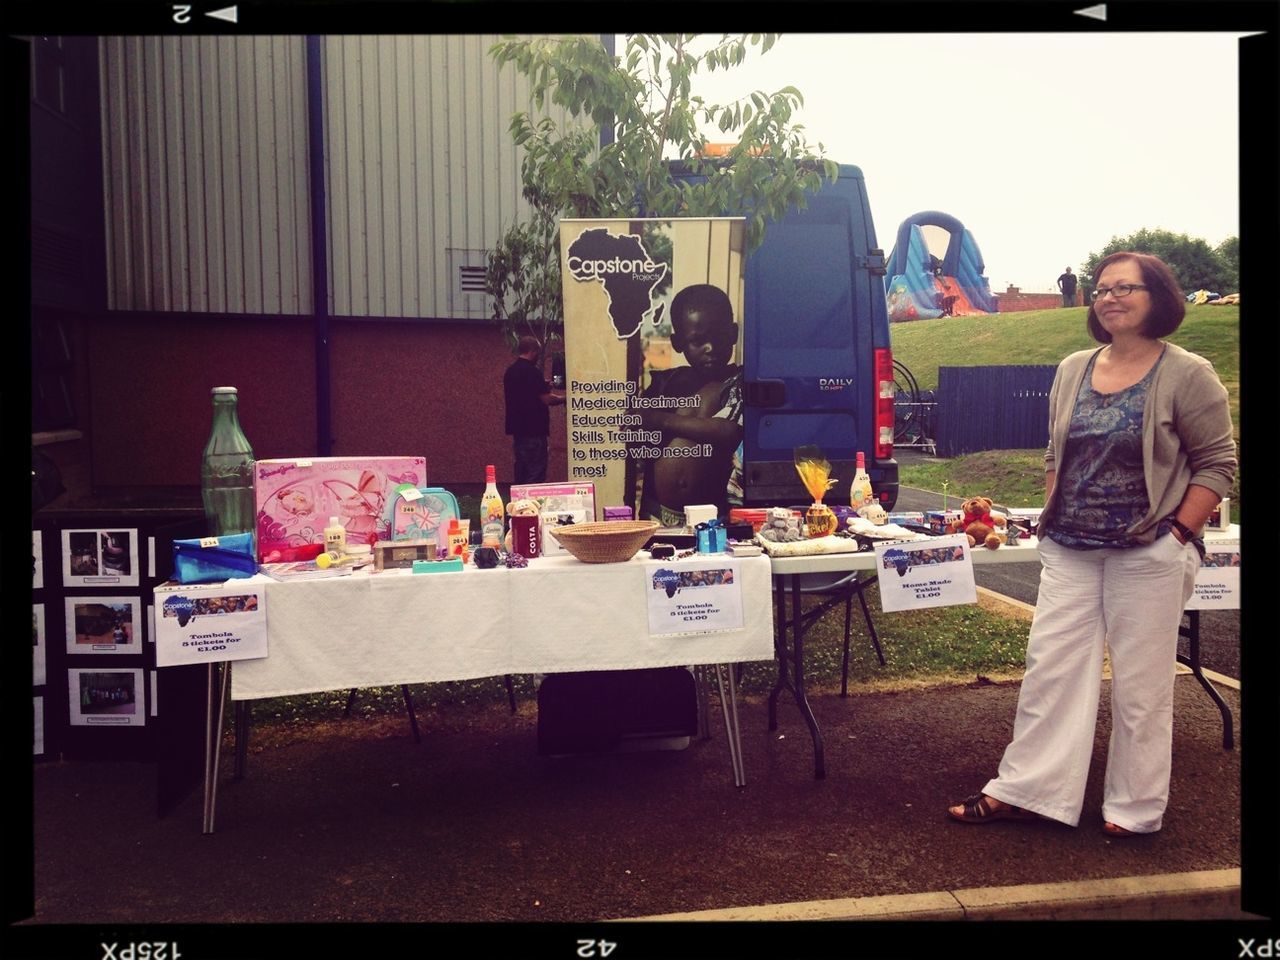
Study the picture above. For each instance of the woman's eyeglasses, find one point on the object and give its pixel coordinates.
(1119, 290)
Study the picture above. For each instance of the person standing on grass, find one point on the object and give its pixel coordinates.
(1140, 452)
(1067, 284)
(528, 421)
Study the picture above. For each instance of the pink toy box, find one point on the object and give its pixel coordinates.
(296, 498)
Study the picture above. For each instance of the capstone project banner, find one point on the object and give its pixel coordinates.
(653, 333)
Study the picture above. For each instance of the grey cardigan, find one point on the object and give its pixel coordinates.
(1186, 432)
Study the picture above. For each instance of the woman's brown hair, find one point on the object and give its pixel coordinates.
(1167, 304)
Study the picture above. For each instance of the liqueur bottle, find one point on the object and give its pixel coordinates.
(492, 512)
(860, 494)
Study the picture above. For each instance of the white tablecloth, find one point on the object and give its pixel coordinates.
(557, 615)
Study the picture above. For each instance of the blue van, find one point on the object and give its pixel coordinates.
(818, 368)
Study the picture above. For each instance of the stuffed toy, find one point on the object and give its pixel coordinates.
(874, 513)
(980, 524)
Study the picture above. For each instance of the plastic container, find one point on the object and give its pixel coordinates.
(335, 536)
(226, 472)
(457, 540)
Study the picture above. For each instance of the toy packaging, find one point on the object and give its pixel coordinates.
(558, 504)
(1025, 520)
(295, 498)
(909, 516)
(938, 521)
(421, 512)
(549, 519)
(551, 497)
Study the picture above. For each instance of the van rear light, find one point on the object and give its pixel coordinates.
(885, 391)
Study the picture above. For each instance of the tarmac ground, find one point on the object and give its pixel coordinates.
(346, 833)
(350, 821)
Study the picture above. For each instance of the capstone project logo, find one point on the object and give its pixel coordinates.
(667, 580)
(180, 607)
(583, 270)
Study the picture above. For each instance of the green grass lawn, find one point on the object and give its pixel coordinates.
(1016, 477)
(1046, 336)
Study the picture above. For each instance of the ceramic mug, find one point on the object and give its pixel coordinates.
(525, 536)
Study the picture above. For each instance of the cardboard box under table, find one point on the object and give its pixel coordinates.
(557, 615)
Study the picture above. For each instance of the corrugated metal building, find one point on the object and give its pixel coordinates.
(211, 273)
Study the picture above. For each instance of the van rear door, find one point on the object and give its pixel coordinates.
(814, 317)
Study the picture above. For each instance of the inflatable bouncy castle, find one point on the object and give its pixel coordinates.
(919, 286)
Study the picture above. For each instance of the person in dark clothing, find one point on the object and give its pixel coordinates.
(528, 397)
(1067, 284)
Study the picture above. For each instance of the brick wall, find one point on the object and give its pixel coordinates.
(1013, 299)
(422, 389)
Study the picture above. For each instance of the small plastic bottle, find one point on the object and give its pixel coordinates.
(335, 537)
(457, 544)
(860, 493)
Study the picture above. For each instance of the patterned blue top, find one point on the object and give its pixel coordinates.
(1104, 488)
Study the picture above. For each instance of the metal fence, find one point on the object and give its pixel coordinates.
(992, 408)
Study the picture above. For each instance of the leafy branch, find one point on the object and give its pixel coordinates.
(646, 98)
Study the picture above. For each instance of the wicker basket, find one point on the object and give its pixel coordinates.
(614, 541)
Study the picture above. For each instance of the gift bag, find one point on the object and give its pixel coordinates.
(214, 559)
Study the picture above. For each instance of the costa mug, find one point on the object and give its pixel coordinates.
(525, 536)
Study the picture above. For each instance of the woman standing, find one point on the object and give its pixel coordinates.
(1140, 452)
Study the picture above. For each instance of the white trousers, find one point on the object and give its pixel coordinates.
(1131, 599)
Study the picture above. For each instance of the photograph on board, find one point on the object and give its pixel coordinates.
(103, 625)
(105, 698)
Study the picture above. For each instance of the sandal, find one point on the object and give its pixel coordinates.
(1115, 830)
(980, 808)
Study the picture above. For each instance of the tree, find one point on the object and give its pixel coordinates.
(1229, 252)
(523, 275)
(1195, 264)
(646, 99)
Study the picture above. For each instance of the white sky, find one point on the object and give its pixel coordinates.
(1044, 146)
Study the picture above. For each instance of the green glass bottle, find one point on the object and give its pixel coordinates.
(226, 475)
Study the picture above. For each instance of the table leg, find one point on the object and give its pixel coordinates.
(866, 615)
(1192, 633)
(208, 745)
(704, 717)
(213, 741)
(729, 706)
(802, 701)
(779, 647)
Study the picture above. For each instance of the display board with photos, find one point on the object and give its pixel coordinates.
(96, 691)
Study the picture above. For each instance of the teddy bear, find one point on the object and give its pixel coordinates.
(980, 524)
(874, 513)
